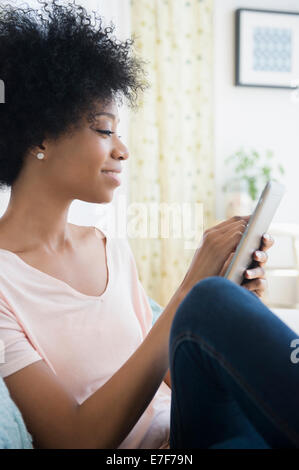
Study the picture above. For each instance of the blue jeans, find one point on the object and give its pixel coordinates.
(233, 382)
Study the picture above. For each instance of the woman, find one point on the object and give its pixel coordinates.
(82, 362)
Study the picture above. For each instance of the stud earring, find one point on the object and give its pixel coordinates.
(40, 156)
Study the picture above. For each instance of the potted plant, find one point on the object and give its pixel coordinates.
(250, 170)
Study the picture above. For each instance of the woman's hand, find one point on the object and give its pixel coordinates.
(254, 277)
(217, 245)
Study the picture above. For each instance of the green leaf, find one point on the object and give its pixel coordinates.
(252, 188)
(253, 168)
(281, 169)
(266, 172)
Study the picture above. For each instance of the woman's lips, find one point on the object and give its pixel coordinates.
(112, 175)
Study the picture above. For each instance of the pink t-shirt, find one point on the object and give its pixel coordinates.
(83, 339)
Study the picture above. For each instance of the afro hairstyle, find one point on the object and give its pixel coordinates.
(57, 64)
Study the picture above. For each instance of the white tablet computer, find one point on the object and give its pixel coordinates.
(258, 224)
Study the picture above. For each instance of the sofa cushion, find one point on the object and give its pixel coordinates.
(156, 309)
(13, 432)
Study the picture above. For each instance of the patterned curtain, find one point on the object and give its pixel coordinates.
(171, 135)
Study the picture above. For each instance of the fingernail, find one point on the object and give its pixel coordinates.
(266, 236)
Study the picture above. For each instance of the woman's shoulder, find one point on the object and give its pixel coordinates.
(80, 231)
(83, 231)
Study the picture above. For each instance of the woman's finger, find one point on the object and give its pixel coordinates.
(267, 242)
(256, 285)
(231, 222)
(258, 293)
(261, 257)
(255, 273)
(226, 264)
(223, 244)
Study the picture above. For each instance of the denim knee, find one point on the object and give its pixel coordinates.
(205, 306)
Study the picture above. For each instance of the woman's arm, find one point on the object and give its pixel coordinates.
(131, 389)
(103, 421)
(167, 378)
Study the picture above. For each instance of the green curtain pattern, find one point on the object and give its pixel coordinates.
(171, 134)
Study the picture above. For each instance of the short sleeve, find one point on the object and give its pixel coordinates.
(16, 351)
(139, 297)
(146, 314)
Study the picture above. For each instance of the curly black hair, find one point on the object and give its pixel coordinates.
(57, 64)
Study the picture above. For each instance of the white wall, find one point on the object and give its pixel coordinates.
(256, 117)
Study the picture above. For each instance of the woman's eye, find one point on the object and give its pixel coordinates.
(105, 132)
(109, 133)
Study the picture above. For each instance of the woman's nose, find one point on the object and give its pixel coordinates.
(121, 152)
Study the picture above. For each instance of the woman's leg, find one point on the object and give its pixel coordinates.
(233, 382)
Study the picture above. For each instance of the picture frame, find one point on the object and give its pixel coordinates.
(267, 48)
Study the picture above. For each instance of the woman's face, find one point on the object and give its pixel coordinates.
(77, 165)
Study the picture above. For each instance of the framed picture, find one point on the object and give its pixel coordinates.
(267, 48)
